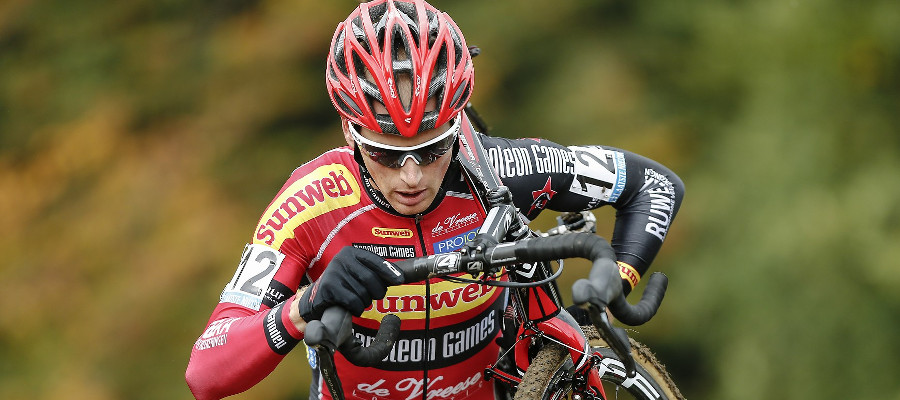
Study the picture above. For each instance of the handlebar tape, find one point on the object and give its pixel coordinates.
(604, 283)
(583, 245)
(368, 356)
(648, 305)
(335, 330)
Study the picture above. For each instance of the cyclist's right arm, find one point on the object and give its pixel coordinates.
(250, 331)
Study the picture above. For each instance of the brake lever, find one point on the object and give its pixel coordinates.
(614, 336)
(328, 371)
(324, 336)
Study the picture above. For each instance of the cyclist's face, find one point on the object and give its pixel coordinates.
(412, 187)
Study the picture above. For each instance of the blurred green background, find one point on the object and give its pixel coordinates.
(140, 140)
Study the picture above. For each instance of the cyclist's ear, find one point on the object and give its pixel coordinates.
(347, 137)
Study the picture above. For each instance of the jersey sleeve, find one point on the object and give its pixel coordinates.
(545, 175)
(250, 330)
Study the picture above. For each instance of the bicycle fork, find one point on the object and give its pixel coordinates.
(565, 331)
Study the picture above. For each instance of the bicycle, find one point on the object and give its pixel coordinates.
(550, 354)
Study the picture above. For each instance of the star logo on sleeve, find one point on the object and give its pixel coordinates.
(541, 197)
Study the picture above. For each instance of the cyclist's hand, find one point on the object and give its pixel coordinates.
(352, 280)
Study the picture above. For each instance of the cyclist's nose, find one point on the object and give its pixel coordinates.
(410, 172)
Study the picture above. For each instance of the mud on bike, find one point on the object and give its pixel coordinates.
(548, 353)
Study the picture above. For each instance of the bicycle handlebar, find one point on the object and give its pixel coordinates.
(602, 288)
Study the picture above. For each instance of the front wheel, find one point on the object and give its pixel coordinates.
(550, 374)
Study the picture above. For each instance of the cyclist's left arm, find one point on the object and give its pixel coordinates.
(545, 175)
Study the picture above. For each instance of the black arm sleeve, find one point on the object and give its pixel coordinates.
(545, 175)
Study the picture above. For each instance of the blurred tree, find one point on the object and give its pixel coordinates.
(140, 140)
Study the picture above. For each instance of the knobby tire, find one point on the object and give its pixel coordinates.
(545, 377)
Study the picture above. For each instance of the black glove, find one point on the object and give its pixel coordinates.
(479, 243)
(352, 280)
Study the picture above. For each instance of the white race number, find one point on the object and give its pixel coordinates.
(258, 266)
(599, 173)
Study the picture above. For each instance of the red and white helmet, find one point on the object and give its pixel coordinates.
(384, 43)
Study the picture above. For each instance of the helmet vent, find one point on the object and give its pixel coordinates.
(461, 93)
(338, 54)
(346, 103)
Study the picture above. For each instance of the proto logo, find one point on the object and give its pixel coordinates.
(454, 243)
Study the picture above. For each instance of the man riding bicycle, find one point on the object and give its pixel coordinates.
(399, 73)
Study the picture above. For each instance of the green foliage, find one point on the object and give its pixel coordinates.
(140, 140)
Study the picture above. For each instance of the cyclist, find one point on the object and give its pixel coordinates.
(399, 73)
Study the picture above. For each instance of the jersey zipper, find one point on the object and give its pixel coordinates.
(418, 220)
(427, 348)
